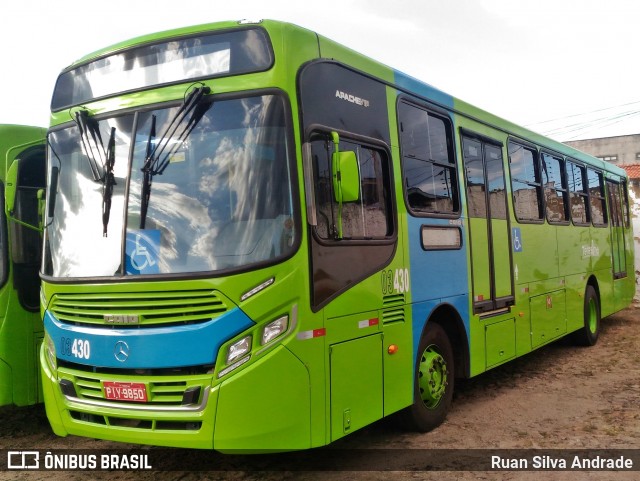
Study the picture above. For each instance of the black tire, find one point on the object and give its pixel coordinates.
(433, 381)
(588, 334)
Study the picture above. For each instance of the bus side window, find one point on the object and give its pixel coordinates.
(366, 223)
(370, 216)
(624, 193)
(428, 164)
(597, 204)
(525, 182)
(578, 194)
(555, 188)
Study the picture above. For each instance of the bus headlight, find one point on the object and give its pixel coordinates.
(50, 351)
(274, 329)
(238, 349)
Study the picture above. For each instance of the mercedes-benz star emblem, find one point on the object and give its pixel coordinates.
(121, 351)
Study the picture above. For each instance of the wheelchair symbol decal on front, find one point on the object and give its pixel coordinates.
(141, 252)
(143, 248)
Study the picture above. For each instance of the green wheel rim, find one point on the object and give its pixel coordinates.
(593, 316)
(433, 375)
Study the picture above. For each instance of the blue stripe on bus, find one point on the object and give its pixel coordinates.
(416, 87)
(145, 347)
(437, 277)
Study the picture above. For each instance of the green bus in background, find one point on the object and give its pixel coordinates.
(22, 178)
(257, 239)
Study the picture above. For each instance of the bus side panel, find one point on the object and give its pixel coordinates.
(602, 263)
(21, 330)
(20, 333)
(627, 289)
(575, 288)
(5, 381)
(537, 259)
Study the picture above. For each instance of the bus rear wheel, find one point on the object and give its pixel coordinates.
(433, 384)
(588, 334)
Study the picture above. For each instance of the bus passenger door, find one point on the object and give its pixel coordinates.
(489, 234)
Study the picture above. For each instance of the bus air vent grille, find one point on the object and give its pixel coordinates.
(133, 309)
(393, 308)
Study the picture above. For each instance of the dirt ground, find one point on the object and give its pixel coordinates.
(559, 397)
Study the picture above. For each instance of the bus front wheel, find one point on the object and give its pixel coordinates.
(433, 384)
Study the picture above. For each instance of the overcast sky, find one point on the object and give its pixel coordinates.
(575, 62)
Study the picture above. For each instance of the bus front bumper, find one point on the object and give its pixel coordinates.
(257, 409)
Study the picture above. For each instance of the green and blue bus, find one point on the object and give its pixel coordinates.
(22, 183)
(258, 239)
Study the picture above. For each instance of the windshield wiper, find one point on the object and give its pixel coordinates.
(146, 175)
(101, 160)
(92, 142)
(108, 181)
(176, 133)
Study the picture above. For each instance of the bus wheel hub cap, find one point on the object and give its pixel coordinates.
(432, 377)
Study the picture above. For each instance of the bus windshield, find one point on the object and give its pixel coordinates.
(222, 201)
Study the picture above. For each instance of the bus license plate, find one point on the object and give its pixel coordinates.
(125, 391)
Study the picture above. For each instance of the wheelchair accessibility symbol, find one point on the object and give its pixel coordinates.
(516, 238)
(143, 247)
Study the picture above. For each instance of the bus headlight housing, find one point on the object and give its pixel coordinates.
(274, 329)
(239, 349)
(50, 351)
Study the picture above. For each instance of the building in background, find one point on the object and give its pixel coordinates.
(622, 150)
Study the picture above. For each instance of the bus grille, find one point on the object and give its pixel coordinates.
(167, 393)
(161, 390)
(147, 308)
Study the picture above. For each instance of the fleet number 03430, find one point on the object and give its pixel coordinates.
(395, 281)
(78, 348)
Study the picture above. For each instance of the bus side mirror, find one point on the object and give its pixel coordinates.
(11, 187)
(349, 176)
(346, 178)
(11, 194)
(345, 173)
